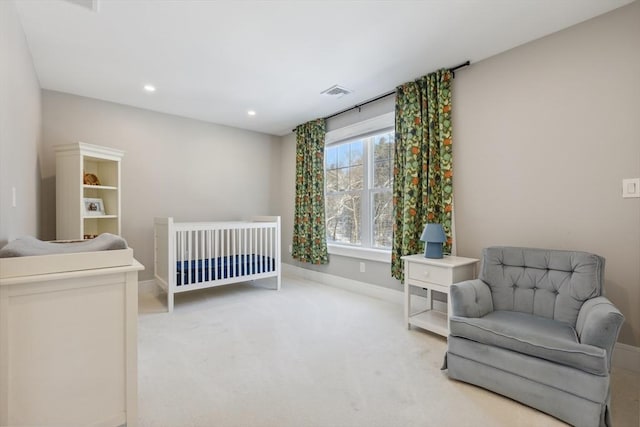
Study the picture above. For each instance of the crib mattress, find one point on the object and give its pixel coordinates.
(196, 271)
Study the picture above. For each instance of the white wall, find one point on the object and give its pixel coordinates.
(173, 166)
(543, 135)
(19, 130)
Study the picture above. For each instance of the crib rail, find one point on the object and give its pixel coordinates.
(236, 250)
(194, 255)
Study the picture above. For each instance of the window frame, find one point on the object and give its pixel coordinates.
(366, 128)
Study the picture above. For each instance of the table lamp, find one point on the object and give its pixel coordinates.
(433, 236)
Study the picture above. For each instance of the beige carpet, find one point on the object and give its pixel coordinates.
(311, 355)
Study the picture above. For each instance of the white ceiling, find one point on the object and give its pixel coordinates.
(214, 60)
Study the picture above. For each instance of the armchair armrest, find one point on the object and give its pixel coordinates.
(471, 298)
(599, 323)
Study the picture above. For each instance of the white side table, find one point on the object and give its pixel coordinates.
(433, 275)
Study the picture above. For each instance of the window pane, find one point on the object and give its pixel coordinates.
(382, 219)
(356, 153)
(343, 218)
(343, 179)
(382, 174)
(383, 160)
(383, 146)
(343, 155)
(380, 151)
(356, 178)
(331, 157)
(331, 180)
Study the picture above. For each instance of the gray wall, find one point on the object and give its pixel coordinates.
(19, 130)
(543, 135)
(188, 169)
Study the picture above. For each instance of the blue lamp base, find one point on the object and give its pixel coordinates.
(433, 250)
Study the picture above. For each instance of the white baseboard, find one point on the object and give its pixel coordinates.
(627, 357)
(624, 356)
(368, 289)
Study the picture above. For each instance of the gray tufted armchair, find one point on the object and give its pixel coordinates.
(536, 327)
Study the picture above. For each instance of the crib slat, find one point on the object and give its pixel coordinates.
(226, 238)
(234, 267)
(270, 246)
(246, 250)
(241, 259)
(196, 270)
(216, 252)
(183, 255)
(275, 248)
(250, 262)
(189, 254)
(182, 266)
(261, 259)
(233, 246)
(209, 252)
(202, 258)
(256, 251)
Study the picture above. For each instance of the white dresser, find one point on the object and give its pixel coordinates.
(68, 339)
(433, 275)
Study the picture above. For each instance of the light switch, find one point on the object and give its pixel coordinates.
(631, 188)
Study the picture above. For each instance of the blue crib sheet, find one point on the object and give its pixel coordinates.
(222, 268)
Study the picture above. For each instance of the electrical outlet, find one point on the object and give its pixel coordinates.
(362, 267)
(631, 188)
(290, 249)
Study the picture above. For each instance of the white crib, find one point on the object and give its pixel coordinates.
(198, 255)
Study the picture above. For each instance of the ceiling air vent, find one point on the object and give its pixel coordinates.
(92, 5)
(337, 91)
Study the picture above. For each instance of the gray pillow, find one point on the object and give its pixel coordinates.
(30, 246)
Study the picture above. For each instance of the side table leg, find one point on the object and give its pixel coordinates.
(407, 295)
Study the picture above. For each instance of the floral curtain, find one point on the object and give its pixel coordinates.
(422, 186)
(309, 236)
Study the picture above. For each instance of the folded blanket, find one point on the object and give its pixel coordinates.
(30, 246)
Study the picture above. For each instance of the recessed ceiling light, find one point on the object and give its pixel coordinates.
(150, 88)
(251, 113)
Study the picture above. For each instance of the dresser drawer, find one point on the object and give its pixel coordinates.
(430, 273)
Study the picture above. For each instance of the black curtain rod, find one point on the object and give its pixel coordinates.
(377, 98)
(384, 95)
(457, 67)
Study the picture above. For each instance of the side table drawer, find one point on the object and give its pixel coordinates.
(430, 273)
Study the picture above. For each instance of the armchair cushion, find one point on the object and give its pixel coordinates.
(532, 335)
(470, 299)
(548, 283)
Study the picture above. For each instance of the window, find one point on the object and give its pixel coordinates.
(358, 187)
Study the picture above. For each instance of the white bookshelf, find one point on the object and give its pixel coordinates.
(72, 162)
